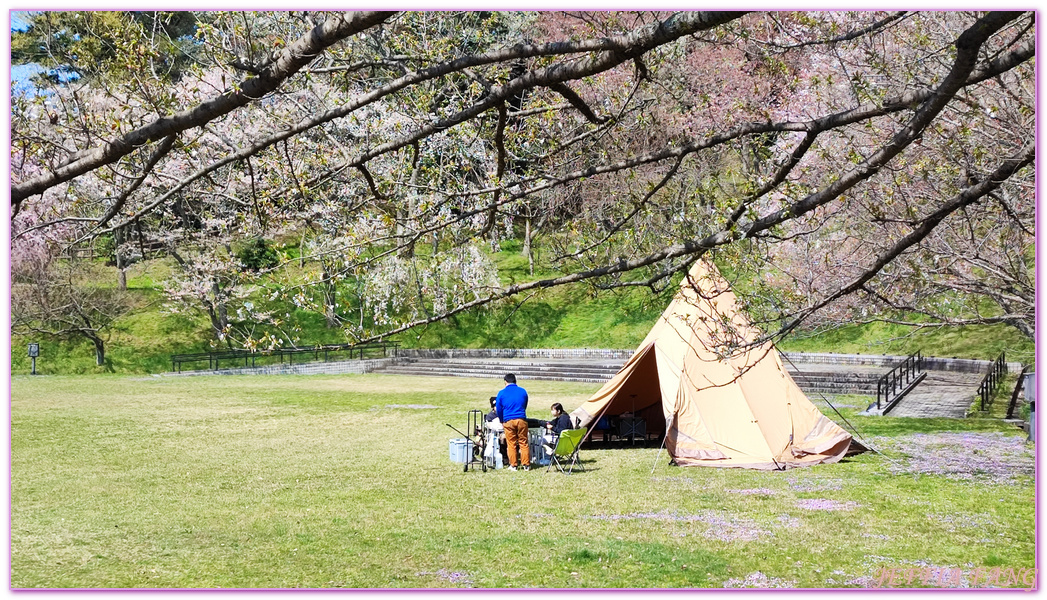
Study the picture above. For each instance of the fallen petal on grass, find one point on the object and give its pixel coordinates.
(722, 526)
(454, 577)
(824, 504)
(754, 492)
(966, 456)
(758, 580)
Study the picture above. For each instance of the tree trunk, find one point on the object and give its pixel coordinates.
(99, 350)
(1023, 326)
(494, 232)
(121, 264)
(329, 297)
(526, 250)
(219, 314)
(405, 226)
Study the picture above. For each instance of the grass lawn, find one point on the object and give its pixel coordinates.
(343, 481)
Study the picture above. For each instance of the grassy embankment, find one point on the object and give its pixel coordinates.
(567, 317)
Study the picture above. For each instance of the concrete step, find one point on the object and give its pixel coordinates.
(509, 366)
(521, 374)
(531, 367)
(824, 383)
(450, 373)
(809, 375)
(585, 379)
(502, 370)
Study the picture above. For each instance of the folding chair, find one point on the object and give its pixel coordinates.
(567, 446)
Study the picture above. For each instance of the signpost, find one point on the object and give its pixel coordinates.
(34, 351)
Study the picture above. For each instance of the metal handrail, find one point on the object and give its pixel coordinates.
(1017, 390)
(993, 378)
(898, 378)
(214, 357)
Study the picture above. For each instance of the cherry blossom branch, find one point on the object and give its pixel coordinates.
(284, 64)
(969, 196)
(895, 104)
(624, 47)
(874, 28)
(967, 45)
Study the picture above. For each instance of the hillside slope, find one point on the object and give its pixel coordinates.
(568, 317)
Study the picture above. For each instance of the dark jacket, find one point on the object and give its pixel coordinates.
(511, 403)
(562, 422)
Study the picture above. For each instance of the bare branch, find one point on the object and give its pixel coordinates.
(284, 64)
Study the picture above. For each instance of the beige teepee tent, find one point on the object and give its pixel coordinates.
(740, 411)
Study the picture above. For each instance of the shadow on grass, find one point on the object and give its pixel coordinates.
(622, 444)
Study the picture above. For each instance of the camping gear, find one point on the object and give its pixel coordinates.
(461, 449)
(565, 455)
(724, 400)
(491, 451)
(536, 442)
(468, 451)
(632, 428)
(474, 425)
(492, 446)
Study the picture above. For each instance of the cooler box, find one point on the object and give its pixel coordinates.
(461, 450)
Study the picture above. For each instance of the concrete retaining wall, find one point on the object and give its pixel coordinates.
(366, 366)
(879, 360)
(930, 363)
(556, 353)
(316, 368)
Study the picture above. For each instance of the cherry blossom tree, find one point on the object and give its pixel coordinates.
(60, 299)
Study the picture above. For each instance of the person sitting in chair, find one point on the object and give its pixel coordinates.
(493, 415)
(560, 422)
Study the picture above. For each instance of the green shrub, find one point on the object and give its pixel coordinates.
(257, 254)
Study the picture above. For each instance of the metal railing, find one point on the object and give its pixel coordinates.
(379, 349)
(1017, 390)
(993, 378)
(897, 382)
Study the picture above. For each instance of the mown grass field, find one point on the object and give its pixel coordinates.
(343, 481)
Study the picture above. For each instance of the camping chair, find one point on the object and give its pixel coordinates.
(567, 446)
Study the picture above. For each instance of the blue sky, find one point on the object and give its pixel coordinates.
(21, 75)
(18, 23)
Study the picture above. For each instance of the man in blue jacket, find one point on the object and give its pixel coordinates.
(511, 406)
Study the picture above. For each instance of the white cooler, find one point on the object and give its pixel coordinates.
(461, 450)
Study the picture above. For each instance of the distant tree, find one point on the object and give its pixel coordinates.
(111, 45)
(60, 298)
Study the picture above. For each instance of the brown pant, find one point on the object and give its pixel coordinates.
(516, 435)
